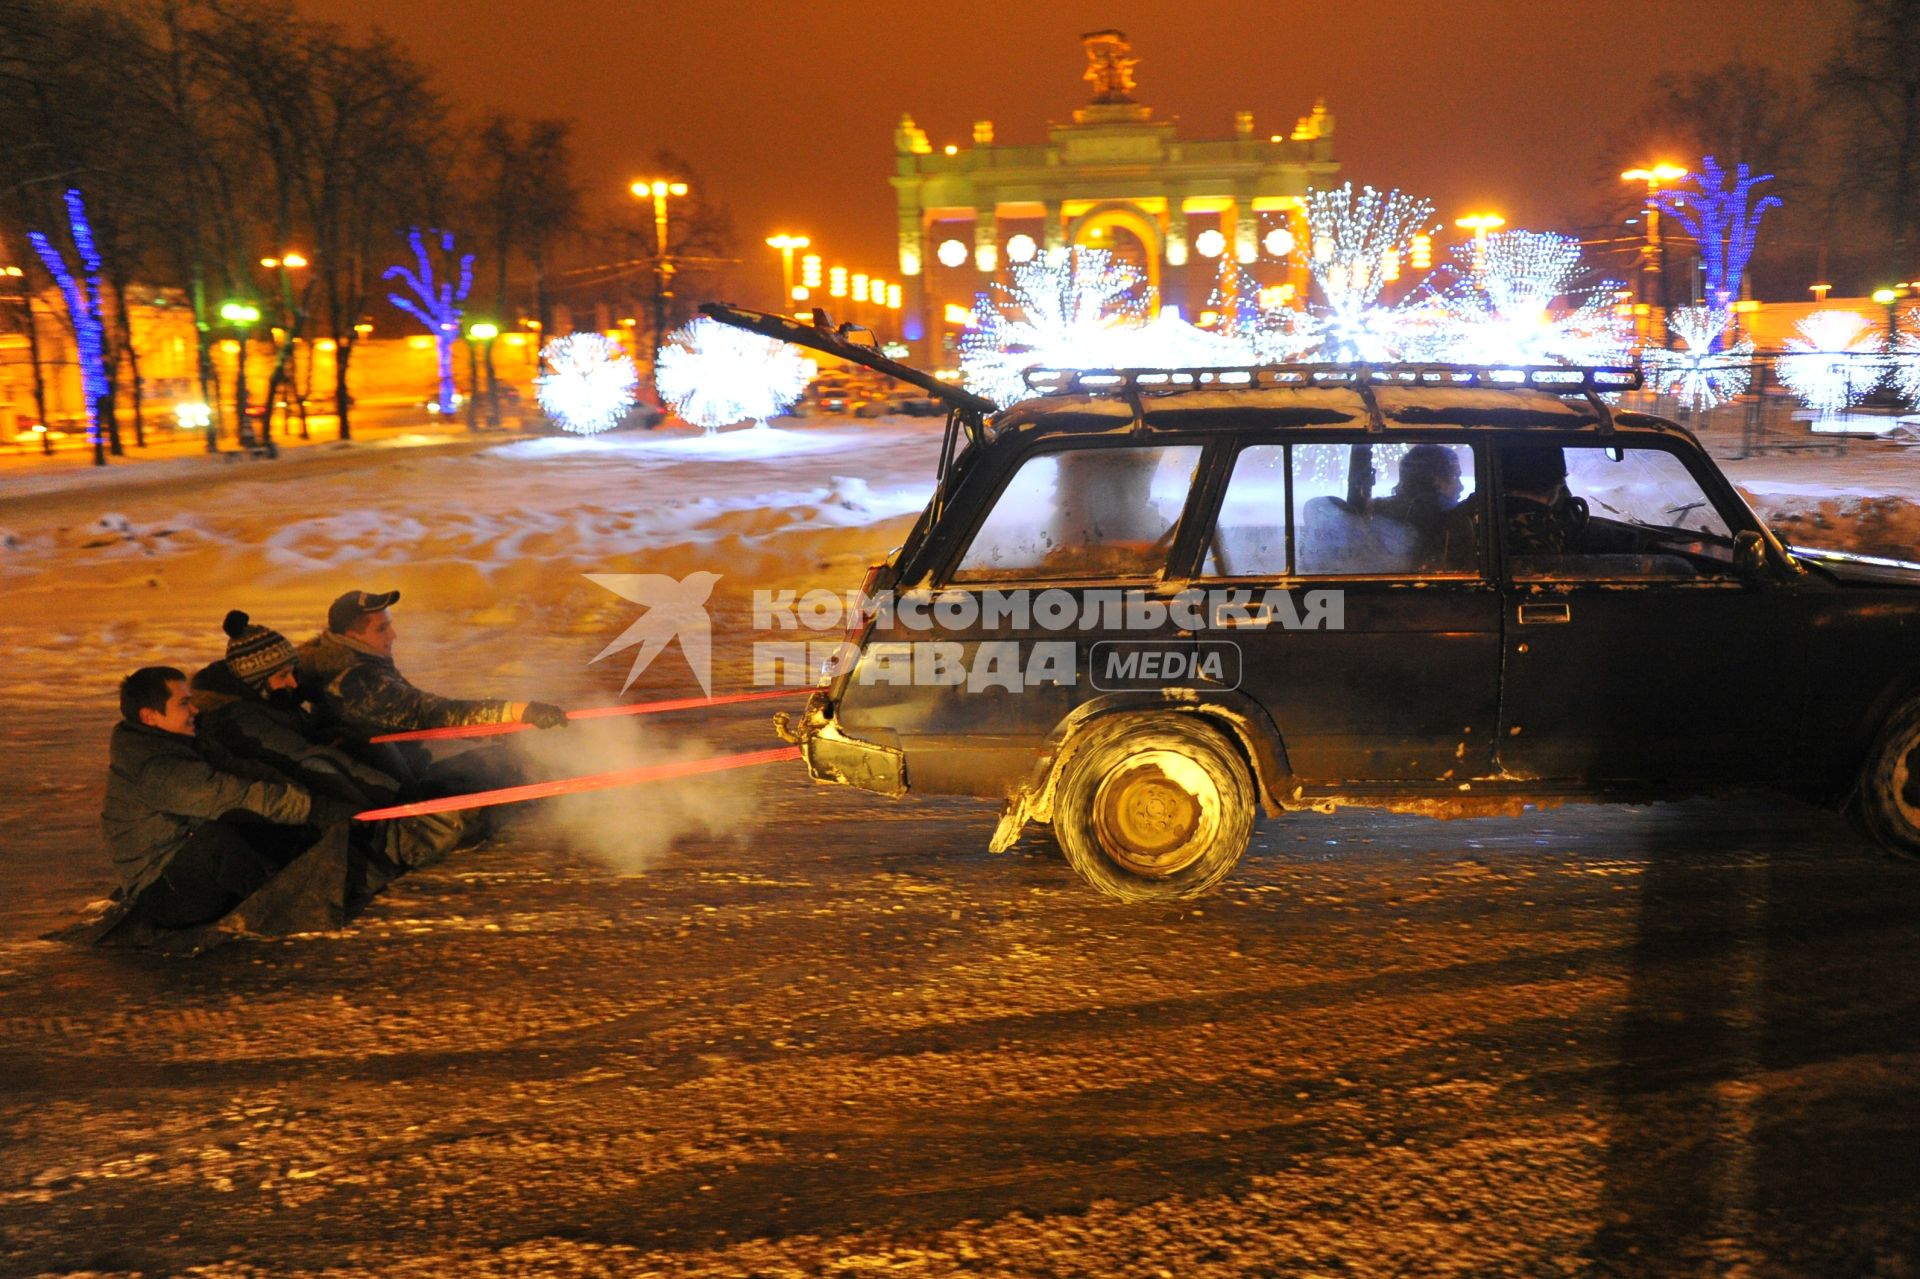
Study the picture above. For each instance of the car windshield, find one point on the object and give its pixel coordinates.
(1643, 487)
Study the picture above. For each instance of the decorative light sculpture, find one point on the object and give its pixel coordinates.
(589, 384)
(1828, 365)
(438, 304)
(82, 295)
(714, 374)
(1352, 235)
(1906, 360)
(1723, 218)
(1052, 316)
(1519, 298)
(1704, 371)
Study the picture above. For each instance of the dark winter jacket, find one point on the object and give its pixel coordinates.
(361, 692)
(161, 787)
(236, 718)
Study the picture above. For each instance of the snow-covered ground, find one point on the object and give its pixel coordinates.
(490, 544)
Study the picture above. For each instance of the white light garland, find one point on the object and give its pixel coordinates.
(1522, 298)
(589, 385)
(1703, 371)
(1906, 359)
(714, 374)
(1353, 237)
(1827, 365)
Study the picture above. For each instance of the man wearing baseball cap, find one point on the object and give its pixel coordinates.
(349, 673)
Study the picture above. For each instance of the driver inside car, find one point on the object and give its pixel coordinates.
(1542, 517)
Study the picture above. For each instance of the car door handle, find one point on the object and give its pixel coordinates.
(1545, 614)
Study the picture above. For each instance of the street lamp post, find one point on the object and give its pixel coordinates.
(288, 372)
(1480, 224)
(787, 244)
(242, 316)
(659, 189)
(477, 332)
(1655, 263)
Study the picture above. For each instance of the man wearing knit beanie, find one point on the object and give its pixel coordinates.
(257, 653)
(250, 708)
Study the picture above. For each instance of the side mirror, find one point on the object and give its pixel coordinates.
(1750, 555)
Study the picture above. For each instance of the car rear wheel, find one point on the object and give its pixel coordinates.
(1153, 807)
(1888, 803)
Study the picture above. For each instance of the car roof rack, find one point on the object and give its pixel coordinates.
(1554, 379)
(824, 336)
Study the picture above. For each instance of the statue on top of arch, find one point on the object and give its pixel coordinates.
(1110, 64)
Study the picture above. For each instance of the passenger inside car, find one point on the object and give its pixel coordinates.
(1427, 498)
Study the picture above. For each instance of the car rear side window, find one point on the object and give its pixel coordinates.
(1250, 535)
(1090, 512)
(1385, 509)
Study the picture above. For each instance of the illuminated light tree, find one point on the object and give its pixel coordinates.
(1723, 217)
(436, 303)
(81, 291)
(1827, 365)
(1705, 371)
(1520, 300)
(589, 385)
(1058, 315)
(714, 374)
(1355, 238)
(1906, 359)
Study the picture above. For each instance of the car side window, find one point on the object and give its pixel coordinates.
(1385, 509)
(1588, 513)
(1108, 512)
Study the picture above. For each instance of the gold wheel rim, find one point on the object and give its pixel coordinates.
(1904, 761)
(1157, 813)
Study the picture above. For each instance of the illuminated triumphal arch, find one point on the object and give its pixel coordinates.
(1116, 179)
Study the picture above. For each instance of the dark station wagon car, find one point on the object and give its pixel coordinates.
(1147, 603)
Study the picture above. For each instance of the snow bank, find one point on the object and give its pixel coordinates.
(746, 442)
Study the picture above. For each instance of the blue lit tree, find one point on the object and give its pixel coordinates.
(1722, 215)
(81, 289)
(436, 303)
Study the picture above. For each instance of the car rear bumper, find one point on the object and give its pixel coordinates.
(835, 758)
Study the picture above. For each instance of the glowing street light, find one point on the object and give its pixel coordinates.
(479, 331)
(658, 189)
(787, 244)
(1480, 224)
(242, 316)
(1889, 297)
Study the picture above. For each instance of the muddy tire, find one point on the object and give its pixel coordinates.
(1887, 806)
(1153, 807)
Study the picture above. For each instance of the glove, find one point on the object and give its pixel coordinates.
(544, 715)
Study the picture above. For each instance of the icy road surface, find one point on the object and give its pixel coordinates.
(752, 1027)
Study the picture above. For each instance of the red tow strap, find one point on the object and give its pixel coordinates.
(574, 785)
